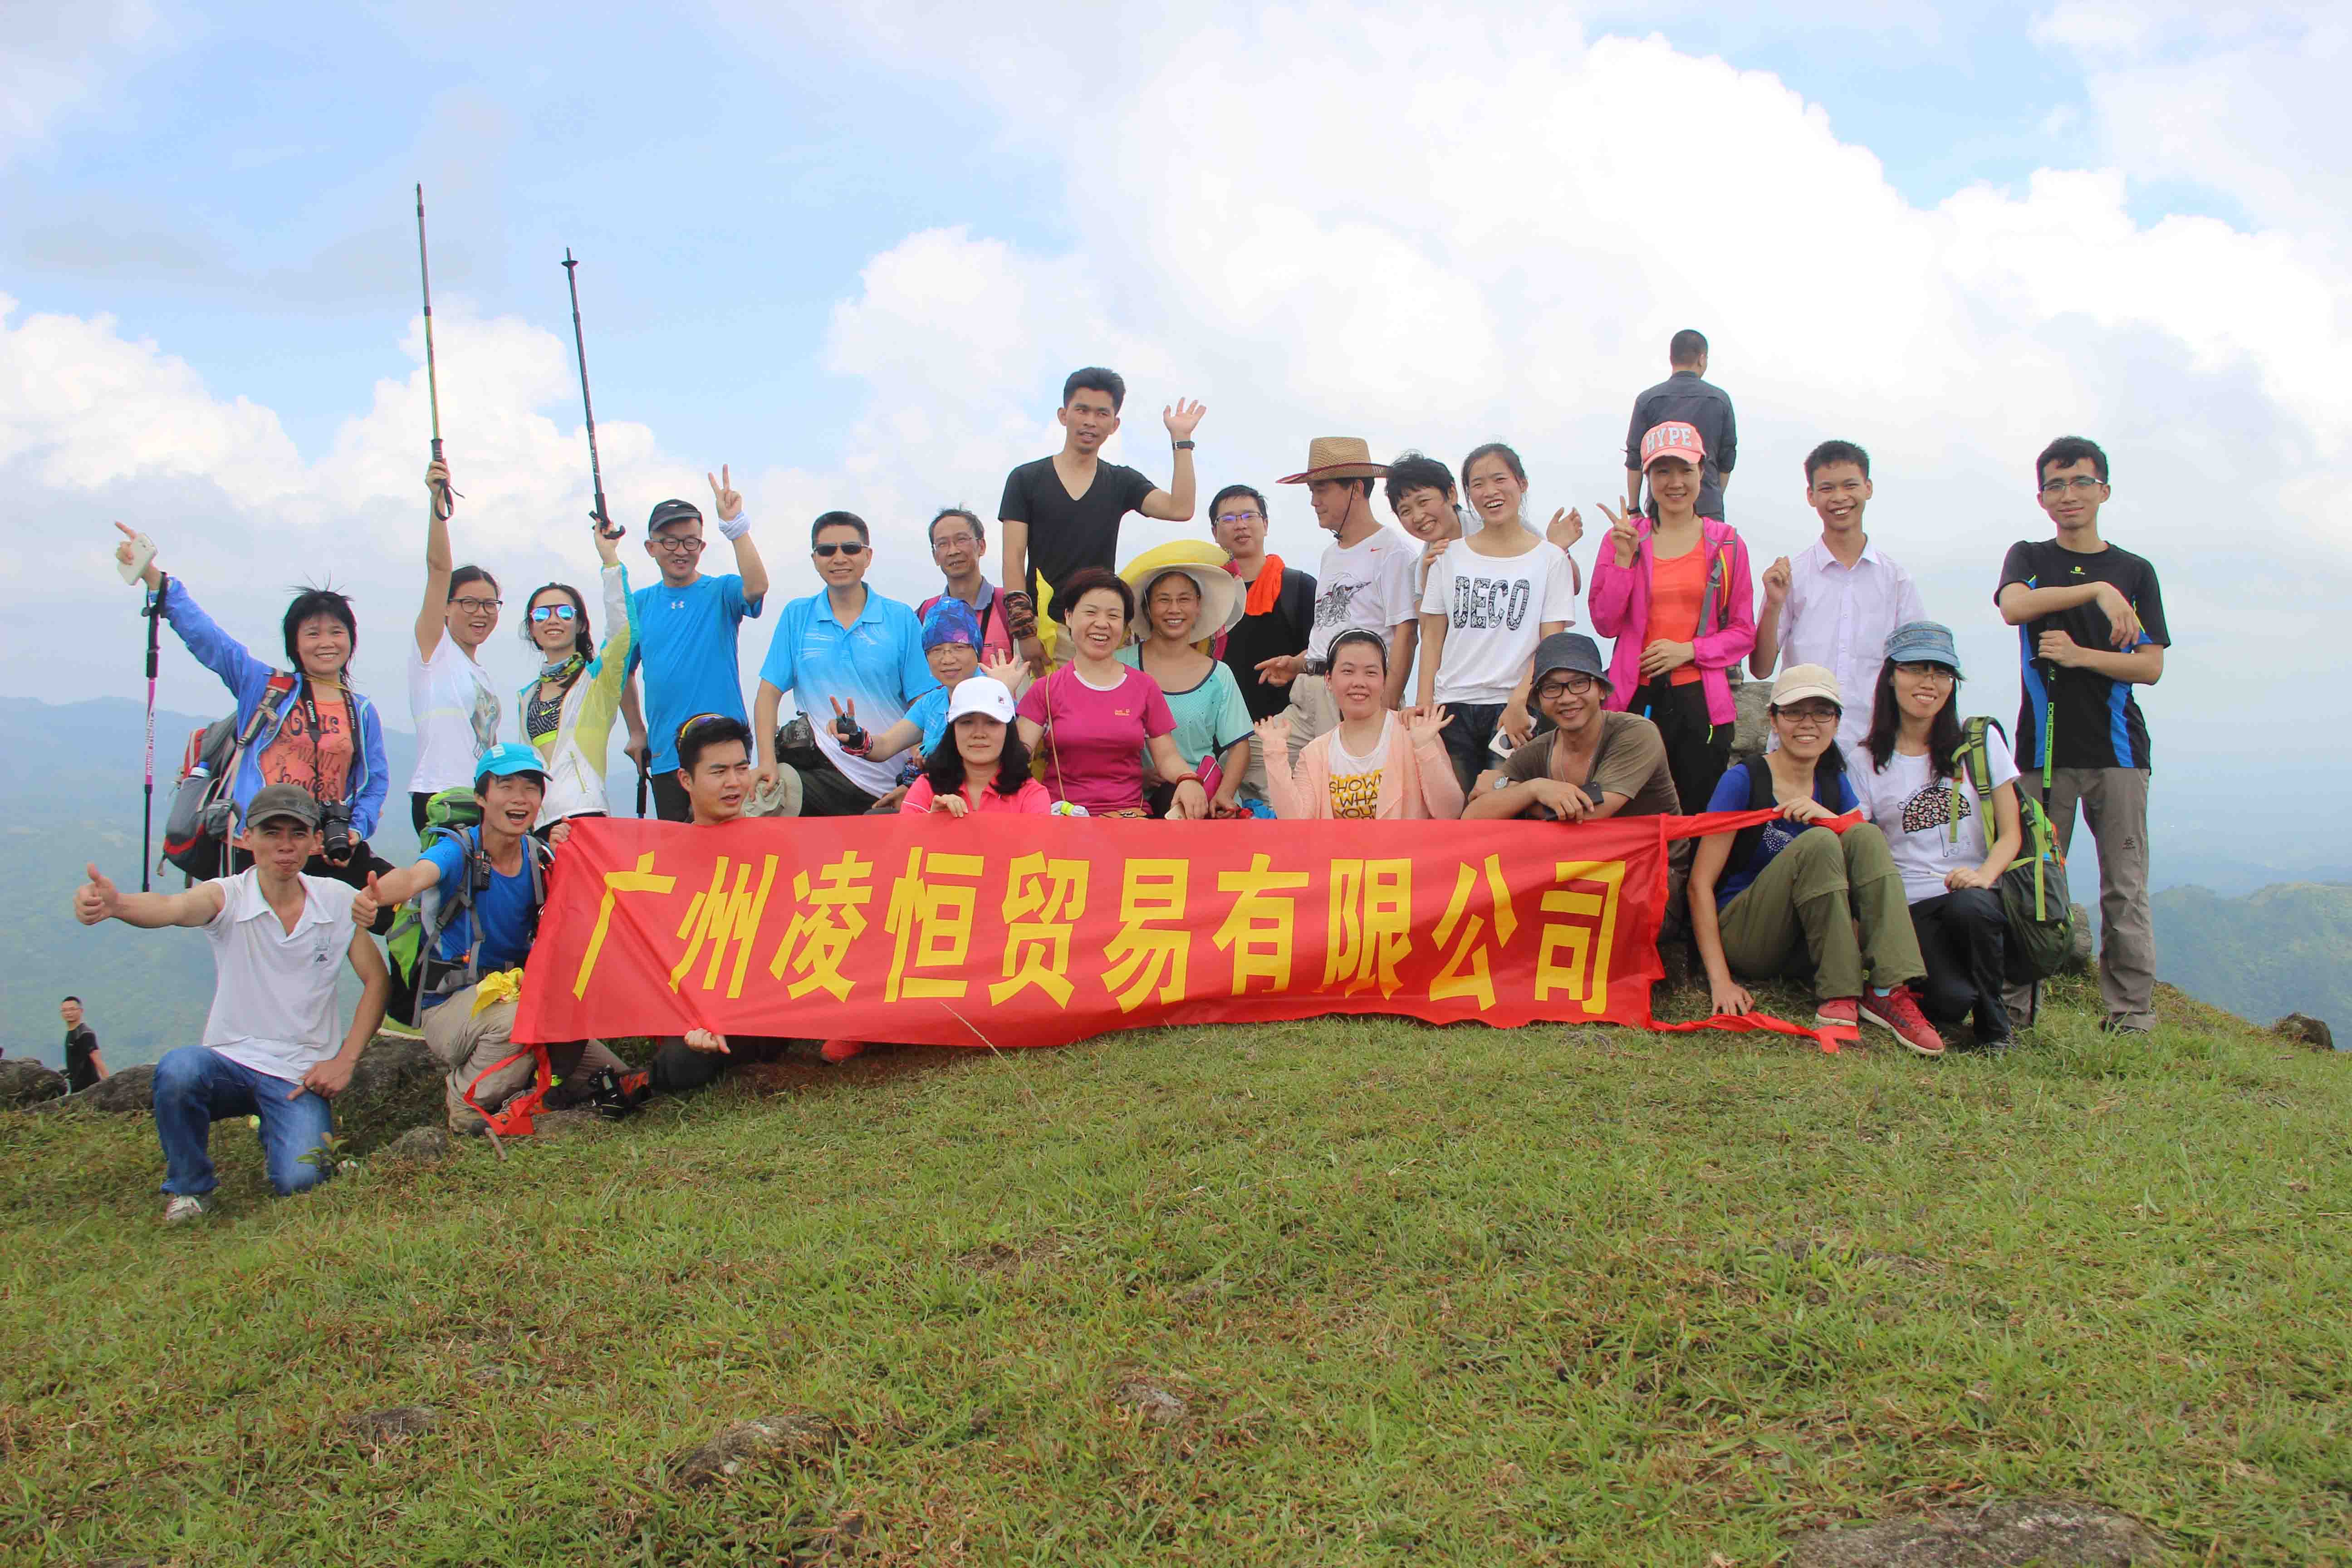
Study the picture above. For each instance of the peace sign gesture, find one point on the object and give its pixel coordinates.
(1621, 536)
(1182, 419)
(723, 491)
(847, 730)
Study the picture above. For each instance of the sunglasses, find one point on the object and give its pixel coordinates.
(553, 612)
(827, 551)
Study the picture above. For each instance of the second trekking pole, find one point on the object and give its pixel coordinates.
(147, 811)
(444, 501)
(587, 408)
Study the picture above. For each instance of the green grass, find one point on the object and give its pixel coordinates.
(1558, 1296)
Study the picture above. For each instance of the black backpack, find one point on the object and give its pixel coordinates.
(2034, 897)
(1828, 768)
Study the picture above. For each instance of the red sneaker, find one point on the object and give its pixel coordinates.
(1898, 1014)
(840, 1050)
(1837, 1012)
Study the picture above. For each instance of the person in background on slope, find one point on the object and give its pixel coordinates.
(85, 1068)
(1365, 582)
(951, 647)
(1491, 597)
(325, 738)
(1277, 618)
(848, 646)
(568, 709)
(269, 1048)
(1913, 786)
(1791, 897)
(1675, 595)
(1104, 726)
(685, 629)
(489, 897)
(1061, 515)
(452, 702)
(1685, 397)
(714, 764)
(2089, 620)
(958, 543)
(1836, 604)
(1185, 609)
(1375, 762)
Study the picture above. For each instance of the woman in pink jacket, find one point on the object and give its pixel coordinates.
(1675, 595)
(1374, 764)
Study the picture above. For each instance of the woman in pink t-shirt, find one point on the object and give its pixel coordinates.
(979, 764)
(1095, 717)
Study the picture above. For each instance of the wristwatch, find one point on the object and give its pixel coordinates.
(1185, 446)
(1314, 667)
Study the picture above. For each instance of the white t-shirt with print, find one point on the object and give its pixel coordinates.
(274, 991)
(1913, 809)
(1494, 609)
(455, 711)
(1367, 584)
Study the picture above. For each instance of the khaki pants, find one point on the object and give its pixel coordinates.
(2114, 803)
(1812, 896)
(1312, 713)
(467, 1045)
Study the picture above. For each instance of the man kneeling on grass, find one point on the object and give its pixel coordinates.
(269, 1049)
(487, 883)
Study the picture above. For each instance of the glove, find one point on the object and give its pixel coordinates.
(1021, 614)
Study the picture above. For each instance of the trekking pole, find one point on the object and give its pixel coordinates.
(641, 790)
(595, 469)
(154, 613)
(444, 502)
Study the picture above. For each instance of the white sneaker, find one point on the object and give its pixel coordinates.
(183, 1208)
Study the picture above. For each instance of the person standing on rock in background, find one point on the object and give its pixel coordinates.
(269, 1050)
(1685, 397)
(1060, 515)
(1837, 603)
(1277, 617)
(452, 701)
(1365, 582)
(2089, 620)
(1675, 595)
(85, 1068)
(684, 633)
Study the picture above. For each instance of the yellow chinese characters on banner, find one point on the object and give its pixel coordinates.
(1153, 949)
(831, 916)
(1572, 956)
(1044, 900)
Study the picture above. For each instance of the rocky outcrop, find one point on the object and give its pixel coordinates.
(2050, 1532)
(132, 1088)
(2310, 1031)
(1750, 730)
(396, 1087)
(2082, 956)
(24, 1081)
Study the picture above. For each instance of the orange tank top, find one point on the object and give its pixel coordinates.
(1677, 590)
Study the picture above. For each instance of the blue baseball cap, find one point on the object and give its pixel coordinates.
(1924, 642)
(950, 621)
(509, 759)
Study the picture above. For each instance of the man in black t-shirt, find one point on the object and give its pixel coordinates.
(1687, 396)
(1277, 616)
(85, 1068)
(1060, 514)
(2089, 620)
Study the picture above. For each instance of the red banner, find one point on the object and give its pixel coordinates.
(1040, 931)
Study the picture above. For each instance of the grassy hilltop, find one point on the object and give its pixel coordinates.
(1333, 1292)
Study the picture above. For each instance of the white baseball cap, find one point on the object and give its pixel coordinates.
(981, 694)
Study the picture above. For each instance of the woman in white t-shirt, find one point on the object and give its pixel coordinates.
(1489, 599)
(1917, 787)
(452, 701)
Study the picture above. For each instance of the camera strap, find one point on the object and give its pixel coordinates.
(317, 741)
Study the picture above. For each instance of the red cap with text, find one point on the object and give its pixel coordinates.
(1673, 439)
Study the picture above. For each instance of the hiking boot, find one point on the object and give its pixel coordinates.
(1837, 1012)
(840, 1050)
(2117, 1024)
(1898, 1013)
(1997, 1046)
(185, 1208)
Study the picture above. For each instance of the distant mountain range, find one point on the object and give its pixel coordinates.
(69, 795)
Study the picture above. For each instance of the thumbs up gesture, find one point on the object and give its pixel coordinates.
(366, 902)
(97, 900)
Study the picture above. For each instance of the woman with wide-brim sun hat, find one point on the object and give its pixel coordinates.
(1183, 607)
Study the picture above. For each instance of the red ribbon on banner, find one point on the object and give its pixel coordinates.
(1041, 930)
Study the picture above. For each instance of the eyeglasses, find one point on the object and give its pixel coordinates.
(1928, 671)
(1573, 686)
(827, 551)
(553, 612)
(2080, 484)
(955, 542)
(1812, 716)
(1225, 517)
(476, 607)
(686, 546)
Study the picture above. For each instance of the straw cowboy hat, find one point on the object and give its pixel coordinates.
(1337, 458)
(1221, 596)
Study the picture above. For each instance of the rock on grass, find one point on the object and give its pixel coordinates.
(24, 1081)
(2047, 1532)
(392, 1423)
(776, 1440)
(2313, 1032)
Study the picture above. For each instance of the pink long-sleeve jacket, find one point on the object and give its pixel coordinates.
(1620, 609)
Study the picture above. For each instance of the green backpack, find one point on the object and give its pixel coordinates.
(454, 815)
(2033, 890)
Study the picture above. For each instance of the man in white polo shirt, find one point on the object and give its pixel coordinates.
(279, 939)
(1835, 603)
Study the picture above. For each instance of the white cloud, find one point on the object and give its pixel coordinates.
(56, 55)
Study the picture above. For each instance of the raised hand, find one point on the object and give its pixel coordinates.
(710, 1042)
(1566, 528)
(437, 486)
(846, 728)
(1623, 539)
(1274, 733)
(1279, 670)
(126, 556)
(1776, 583)
(366, 903)
(1182, 419)
(728, 500)
(98, 898)
(608, 545)
(1423, 725)
(1003, 666)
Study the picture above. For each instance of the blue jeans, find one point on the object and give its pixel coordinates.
(195, 1085)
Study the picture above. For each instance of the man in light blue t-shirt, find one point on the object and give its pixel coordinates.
(853, 662)
(683, 632)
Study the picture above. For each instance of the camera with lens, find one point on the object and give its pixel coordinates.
(614, 1095)
(337, 826)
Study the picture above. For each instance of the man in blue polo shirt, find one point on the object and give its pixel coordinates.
(683, 631)
(852, 661)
